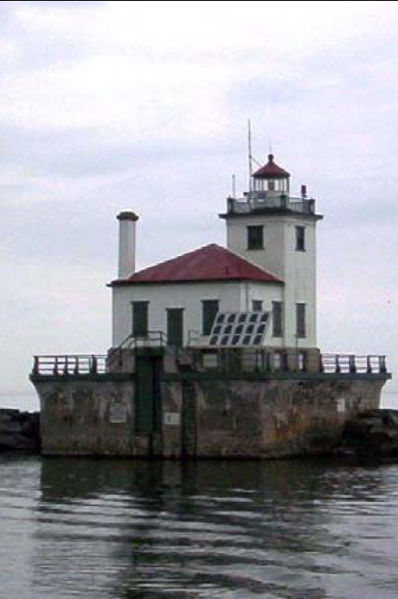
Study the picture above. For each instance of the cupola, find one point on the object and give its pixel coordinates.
(271, 177)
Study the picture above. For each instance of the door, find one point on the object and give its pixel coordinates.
(147, 398)
(175, 327)
(140, 318)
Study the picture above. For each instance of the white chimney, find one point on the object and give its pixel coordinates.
(127, 225)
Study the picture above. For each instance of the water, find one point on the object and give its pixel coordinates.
(120, 529)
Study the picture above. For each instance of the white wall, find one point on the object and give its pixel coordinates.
(300, 282)
(271, 257)
(296, 268)
(233, 297)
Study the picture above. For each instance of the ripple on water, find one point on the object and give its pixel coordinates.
(109, 529)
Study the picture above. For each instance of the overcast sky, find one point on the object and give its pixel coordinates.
(106, 106)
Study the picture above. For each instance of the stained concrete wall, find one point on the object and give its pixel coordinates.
(202, 417)
(278, 418)
(87, 417)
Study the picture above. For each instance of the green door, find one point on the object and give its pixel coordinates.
(147, 399)
(140, 318)
(175, 327)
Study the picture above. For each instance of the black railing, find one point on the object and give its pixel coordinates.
(149, 339)
(152, 339)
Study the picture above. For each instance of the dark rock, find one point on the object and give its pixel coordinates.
(19, 431)
(373, 433)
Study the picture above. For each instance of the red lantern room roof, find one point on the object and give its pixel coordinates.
(271, 170)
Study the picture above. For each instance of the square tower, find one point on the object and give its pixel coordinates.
(277, 232)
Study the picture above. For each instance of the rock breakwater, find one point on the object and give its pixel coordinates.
(19, 431)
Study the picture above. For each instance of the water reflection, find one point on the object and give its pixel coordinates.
(203, 529)
(121, 529)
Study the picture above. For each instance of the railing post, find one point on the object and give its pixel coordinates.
(351, 364)
(257, 361)
(321, 368)
(76, 369)
(337, 363)
(35, 365)
(55, 369)
(382, 364)
(93, 365)
(368, 365)
(263, 360)
(226, 360)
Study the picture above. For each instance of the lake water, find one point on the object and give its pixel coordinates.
(299, 529)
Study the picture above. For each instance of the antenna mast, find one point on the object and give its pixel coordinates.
(249, 143)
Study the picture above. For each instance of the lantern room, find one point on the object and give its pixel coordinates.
(271, 178)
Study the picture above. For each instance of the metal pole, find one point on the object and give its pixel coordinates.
(249, 141)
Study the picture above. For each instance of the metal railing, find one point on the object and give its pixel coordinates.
(152, 339)
(350, 363)
(260, 200)
(224, 360)
(70, 365)
(238, 360)
(149, 339)
(246, 360)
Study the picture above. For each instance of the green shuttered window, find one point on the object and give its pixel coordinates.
(277, 319)
(300, 321)
(209, 312)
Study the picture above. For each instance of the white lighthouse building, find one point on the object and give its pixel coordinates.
(278, 233)
(268, 267)
(214, 352)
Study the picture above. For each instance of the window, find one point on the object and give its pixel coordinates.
(209, 312)
(255, 237)
(300, 239)
(277, 319)
(140, 318)
(257, 305)
(300, 320)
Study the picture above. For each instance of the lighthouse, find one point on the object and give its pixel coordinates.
(214, 352)
(277, 231)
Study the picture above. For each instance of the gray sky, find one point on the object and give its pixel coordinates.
(107, 106)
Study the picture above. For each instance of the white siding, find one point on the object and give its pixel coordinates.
(296, 268)
(233, 297)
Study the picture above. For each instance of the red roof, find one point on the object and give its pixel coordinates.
(209, 263)
(271, 170)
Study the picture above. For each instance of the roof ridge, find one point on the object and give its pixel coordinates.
(208, 262)
(183, 255)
